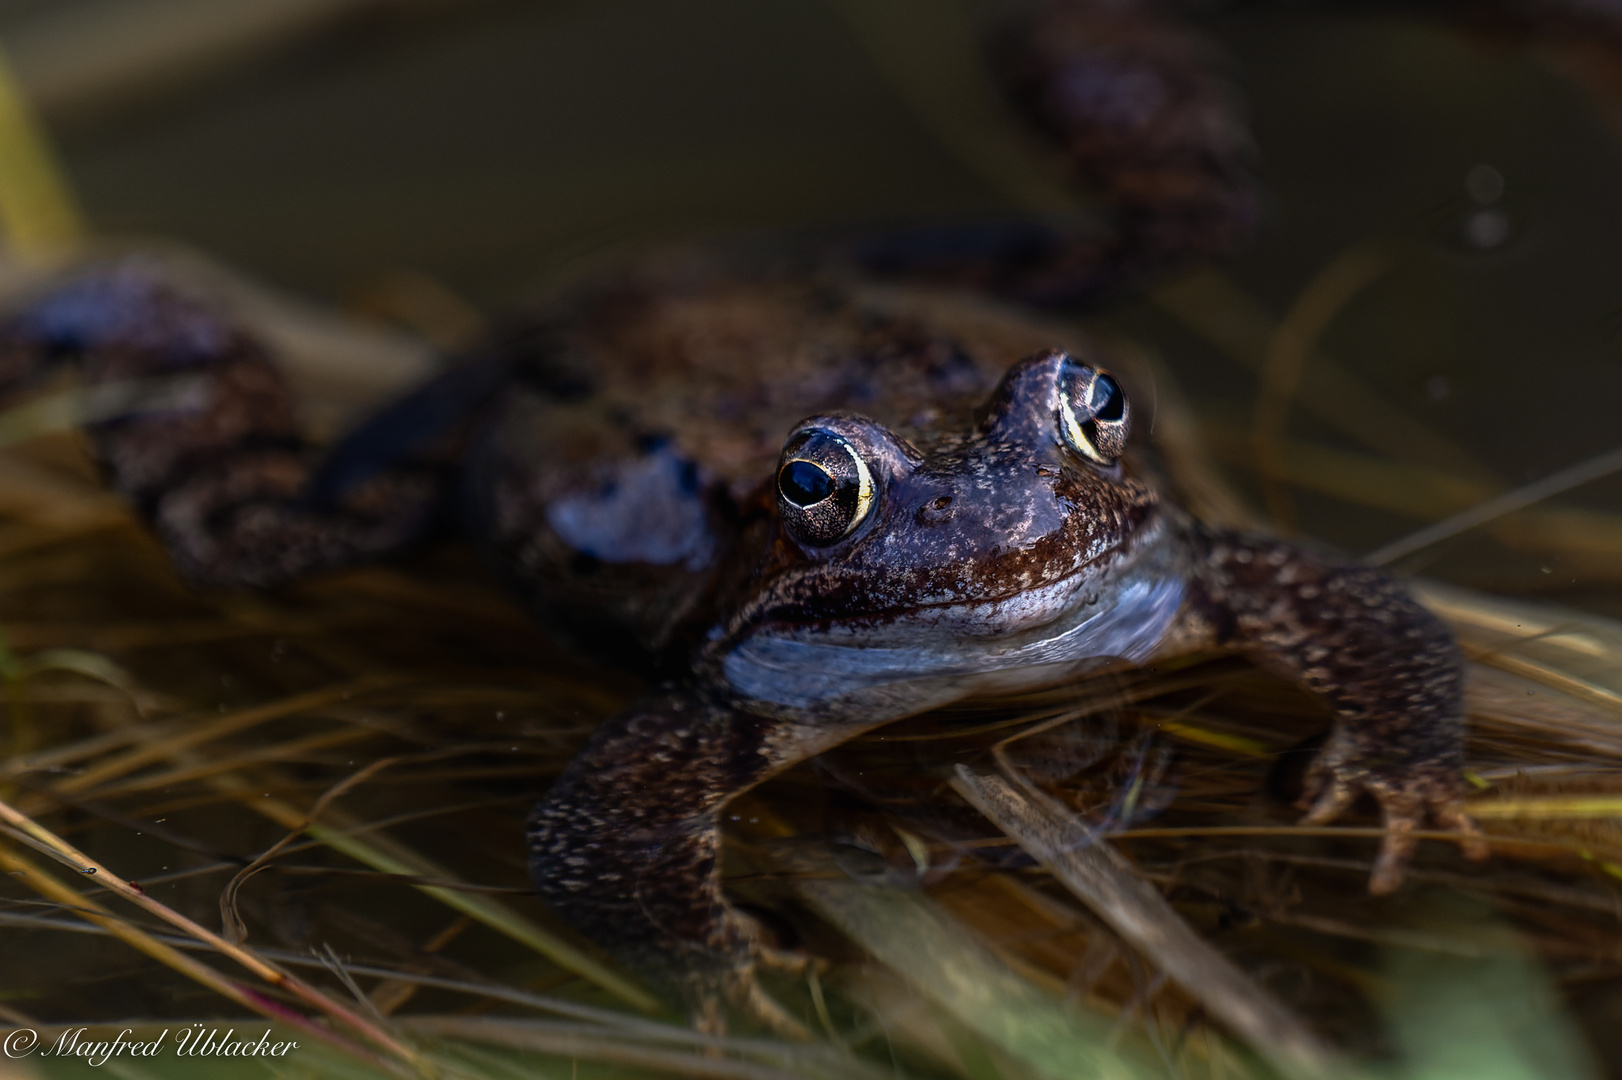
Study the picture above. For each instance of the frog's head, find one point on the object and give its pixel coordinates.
(906, 574)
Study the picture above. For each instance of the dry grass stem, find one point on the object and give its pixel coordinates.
(1106, 883)
(1499, 506)
(47, 885)
(1335, 286)
(248, 959)
(1218, 309)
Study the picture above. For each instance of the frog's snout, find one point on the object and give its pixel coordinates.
(979, 508)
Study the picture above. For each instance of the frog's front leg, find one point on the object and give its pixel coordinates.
(626, 845)
(1388, 667)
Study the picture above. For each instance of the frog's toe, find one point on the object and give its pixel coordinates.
(739, 988)
(789, 961)
(1327, 797)
(1402, 812)
(729, 976)
(749, 998)
(709, 1016)
(1334, 780)
(1406, 800)
(1407, 797)
(1396, 849)
(1453, 817)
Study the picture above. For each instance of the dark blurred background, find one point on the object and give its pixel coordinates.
(495, 146)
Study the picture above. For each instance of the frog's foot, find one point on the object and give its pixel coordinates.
(739, 988)
(1408, 793)
(790, 961)
(731, 979)
(746, 995)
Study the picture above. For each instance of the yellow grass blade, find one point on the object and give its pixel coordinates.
(37, 211)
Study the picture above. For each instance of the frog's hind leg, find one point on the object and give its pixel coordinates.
(207, 443)
(1138, 108)
(1135, 112)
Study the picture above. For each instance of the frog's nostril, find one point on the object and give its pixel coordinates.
(935, 511)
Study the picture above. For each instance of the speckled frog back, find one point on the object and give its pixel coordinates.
(627, 479)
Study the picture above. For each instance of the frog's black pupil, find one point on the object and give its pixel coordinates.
(805, 484)
(1111, 402)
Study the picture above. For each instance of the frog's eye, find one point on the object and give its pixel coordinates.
(1093, 412)
(824, 488)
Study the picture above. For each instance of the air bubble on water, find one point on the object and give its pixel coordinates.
(1484, 184)
(1487, 228)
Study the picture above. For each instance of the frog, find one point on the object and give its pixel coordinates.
(919, 500)
(805, 496)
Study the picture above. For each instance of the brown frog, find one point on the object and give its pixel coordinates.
(816, 502)
(955, 517)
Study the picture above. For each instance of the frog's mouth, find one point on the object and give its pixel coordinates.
(894, 666)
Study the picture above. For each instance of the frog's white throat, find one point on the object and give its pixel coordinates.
(939, 655)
